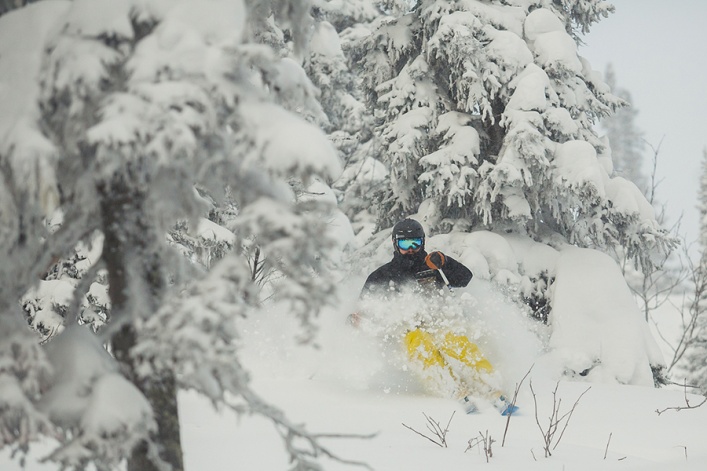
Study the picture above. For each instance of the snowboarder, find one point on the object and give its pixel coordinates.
(443, 357)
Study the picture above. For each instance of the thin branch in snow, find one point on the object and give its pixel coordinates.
(290, 432)
(436, 429)
(606, 450)
(687, 405)
(555, 419)
(513, 403)
(486, 441)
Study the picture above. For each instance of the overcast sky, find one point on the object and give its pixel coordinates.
(657, 49)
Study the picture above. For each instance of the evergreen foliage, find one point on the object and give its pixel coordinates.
(128, 106)
(625, 139)
(9, 5)
(697, 352)
(484, 112)
(163, 174)
(350, 124)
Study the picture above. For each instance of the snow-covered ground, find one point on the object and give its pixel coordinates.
(613, 427)
(622, 418)
(356, 381)
(351, 386)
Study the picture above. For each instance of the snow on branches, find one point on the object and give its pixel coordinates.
(511, 75)
(136, 104)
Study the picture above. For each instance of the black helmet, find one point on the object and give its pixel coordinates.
(408, 229)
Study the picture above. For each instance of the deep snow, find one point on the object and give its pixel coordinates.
(620, 417)
(349, 386)
(356, 381)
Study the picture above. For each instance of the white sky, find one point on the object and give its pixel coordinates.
(657, 49)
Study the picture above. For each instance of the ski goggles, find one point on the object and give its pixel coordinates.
(407, 244)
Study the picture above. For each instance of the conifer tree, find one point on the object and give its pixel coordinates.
(696, 352)
(9, 5)
(485, 115)
(119, 110)
(652, 287)
(332, 69)
(625, 139)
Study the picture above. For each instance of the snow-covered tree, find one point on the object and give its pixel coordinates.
(625, 139)
(112, 112)
(653, 286)
(347, 14)
(349, 123)
(697, 349)
(486, 117)
(9, 5)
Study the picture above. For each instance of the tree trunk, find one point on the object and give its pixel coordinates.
(495, 131)
(132, 261)
(9, 5)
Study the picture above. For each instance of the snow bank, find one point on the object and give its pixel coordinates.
(597, 329)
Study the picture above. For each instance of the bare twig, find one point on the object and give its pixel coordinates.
(690, 311)
(654, 173)
(486, 441)
(683, 384)
(424, 436)
(569, 416)
(303, 447)
(606, 451)
(658, 282)
(513, 403)
(555, 419)
(436, 429)
(684, 449)
(687, 405)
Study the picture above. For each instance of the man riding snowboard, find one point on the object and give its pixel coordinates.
(444, 357)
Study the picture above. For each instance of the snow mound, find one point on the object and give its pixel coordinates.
(597, 329)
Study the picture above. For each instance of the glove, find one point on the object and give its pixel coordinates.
(354, 319)
(435, 260)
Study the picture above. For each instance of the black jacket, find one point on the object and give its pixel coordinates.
(411, 269)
